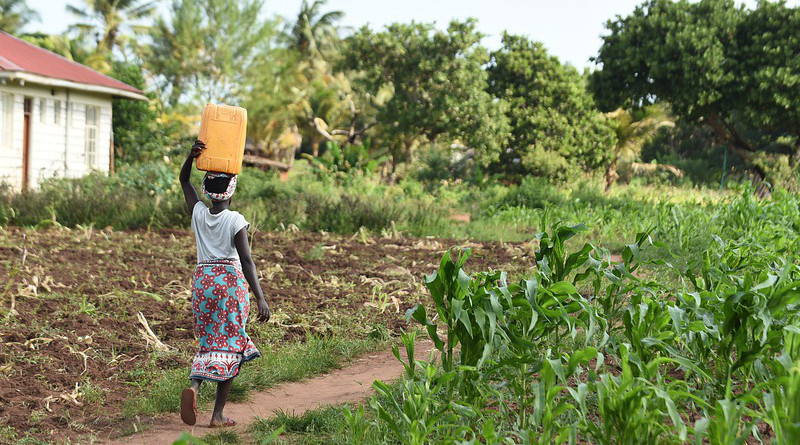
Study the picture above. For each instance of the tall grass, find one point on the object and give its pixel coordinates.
(149, 196)
(145, 197)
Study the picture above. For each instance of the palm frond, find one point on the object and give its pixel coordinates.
(330, 17)
(78, 12)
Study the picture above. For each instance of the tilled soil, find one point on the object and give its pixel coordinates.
(72, 350)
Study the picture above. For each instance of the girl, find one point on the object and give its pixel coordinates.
(220, 301)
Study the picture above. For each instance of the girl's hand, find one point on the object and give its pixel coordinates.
(197, 148)
(263, 310)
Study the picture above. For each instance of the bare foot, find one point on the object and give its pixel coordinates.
(224, 422)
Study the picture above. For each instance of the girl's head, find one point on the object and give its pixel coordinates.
(219, 186)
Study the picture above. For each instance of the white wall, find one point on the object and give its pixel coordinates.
(11, 156)
(50, 143)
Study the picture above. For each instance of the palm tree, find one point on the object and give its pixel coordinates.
(110, 16)
(633, 131)
(14, 15)
(315, 32)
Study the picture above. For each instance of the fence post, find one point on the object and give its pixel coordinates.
(724, 169)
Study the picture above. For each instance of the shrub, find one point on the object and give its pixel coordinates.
(533, 192)
(99, 200)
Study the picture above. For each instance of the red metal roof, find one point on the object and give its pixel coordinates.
(21, 56)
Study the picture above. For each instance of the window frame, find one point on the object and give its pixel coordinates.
(92, 127)
(57, 112)
(7, 99)
(43, 110)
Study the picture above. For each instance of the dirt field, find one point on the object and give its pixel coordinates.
(72, 350)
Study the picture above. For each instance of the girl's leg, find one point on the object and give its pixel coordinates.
(223, 388)
(196, 385)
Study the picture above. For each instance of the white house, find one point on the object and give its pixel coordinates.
(55, 115)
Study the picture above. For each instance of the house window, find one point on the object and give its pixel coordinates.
(43, 111)
(71, 112)
(92, 128)
(6, 118)
(57, 112)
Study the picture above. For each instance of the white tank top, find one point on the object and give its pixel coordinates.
(214, 233)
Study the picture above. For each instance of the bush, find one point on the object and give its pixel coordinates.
(97, 200)
(149, 196)
(437, 165)
(533, 192)
(550, 165)
(138, 134)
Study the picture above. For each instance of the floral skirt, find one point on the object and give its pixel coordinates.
(220, 303)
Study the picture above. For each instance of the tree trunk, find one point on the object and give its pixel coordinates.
(315, 147)
(726, 134)
(794, 159)
(611, 174)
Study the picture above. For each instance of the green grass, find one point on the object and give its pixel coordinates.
(284, 364)
(225, 437)
(325, 425)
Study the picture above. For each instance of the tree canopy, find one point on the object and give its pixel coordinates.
(733, 69)
(14, 15)
(552, 115)
(437, 83)
(107, 18)
(201, 52)
(315, 32)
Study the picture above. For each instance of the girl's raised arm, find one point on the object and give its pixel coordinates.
(186, 173)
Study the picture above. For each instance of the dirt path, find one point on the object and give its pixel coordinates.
(350, 384)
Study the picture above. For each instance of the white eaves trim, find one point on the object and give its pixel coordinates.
(51, 82)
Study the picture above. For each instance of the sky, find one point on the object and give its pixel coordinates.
(569, 29)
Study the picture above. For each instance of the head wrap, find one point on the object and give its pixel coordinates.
(227, 194)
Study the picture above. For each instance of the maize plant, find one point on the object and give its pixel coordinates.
(469, 309)
(724, 349)
(783, 402)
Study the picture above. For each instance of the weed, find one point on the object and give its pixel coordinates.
(316, 253)
(225, 437)
(87, 307)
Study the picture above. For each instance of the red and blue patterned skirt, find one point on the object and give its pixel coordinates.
(220, 303)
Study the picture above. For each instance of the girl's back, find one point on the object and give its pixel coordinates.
(214, 233)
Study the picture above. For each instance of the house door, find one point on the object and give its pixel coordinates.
(26, 141)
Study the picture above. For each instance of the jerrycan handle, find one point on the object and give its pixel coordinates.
(226, 115)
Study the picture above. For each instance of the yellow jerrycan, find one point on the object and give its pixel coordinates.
(223, 129)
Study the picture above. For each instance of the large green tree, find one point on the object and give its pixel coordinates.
(314, 31)
(72, 48)
(318, 102)
(107, 18)
(14, 15)
(553, 118)
(271, 89)
(438, 87)
(138, 135)
(204, 49)
(733, 69)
